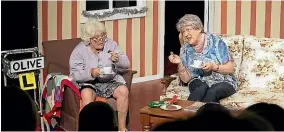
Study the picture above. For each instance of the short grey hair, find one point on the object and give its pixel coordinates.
(89, 29)
(190, 20)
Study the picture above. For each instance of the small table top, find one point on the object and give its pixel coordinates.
(179, 114)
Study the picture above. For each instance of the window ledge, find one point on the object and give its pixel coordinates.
(115, 14)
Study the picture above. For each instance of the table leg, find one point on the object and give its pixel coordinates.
(145, 121)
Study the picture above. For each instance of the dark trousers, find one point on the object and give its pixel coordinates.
(200, 91)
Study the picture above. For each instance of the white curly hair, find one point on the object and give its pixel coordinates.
(190, 20)
(89, 29)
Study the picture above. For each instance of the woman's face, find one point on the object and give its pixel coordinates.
(98, 41)
(190, 35)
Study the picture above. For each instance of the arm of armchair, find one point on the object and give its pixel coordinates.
(166, 82)
(128, 75)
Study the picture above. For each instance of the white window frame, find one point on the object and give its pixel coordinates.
(140, 5)
(208, 15)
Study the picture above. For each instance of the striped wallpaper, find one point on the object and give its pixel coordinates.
(138, 37)
(259, 18)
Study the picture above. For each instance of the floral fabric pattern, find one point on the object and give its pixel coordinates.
(236, 46)
(245, 98)
(262, 72)
(261, 66)
(269, 44)
(176, 89)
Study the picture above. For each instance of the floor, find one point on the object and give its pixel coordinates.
(140, 95)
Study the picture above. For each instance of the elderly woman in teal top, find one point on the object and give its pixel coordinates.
(214, 79)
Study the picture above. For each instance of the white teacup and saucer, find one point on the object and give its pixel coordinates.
(107, 70)
(107, 74)
(197, 64)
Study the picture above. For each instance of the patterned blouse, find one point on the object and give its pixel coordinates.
(215, 51)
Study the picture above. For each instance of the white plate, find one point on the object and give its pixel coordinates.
(195, 66)
(164, 107)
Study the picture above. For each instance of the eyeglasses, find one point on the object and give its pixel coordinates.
(99, 38)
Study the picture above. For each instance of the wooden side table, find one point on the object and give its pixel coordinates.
(156, 116)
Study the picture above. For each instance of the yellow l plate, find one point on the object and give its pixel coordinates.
(27, 81)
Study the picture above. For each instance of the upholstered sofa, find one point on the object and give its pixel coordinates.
(259, 68)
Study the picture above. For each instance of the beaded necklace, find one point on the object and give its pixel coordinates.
(199, 48)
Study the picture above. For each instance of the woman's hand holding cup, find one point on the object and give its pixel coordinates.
(95, 72)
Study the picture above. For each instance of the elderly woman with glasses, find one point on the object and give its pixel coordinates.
(213, 80)
(86, 61)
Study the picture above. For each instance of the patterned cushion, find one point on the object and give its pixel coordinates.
(235, 44)
(262, 67)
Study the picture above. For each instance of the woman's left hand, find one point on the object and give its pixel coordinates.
(208, 67)
(114, 56)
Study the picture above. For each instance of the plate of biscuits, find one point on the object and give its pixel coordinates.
(171, 107)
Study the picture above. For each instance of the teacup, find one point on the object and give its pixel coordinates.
(197, 63)
(107, 70)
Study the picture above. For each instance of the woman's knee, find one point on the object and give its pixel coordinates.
(211, 91)
(88, 93)
(197, 84)
(224, 90)
(122, 91)
(210, 96)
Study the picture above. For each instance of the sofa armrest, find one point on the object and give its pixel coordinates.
(166, 82)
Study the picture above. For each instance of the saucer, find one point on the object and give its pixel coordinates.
(108, 73)
(195, 66)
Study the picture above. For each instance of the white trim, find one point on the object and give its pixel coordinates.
(140, 5)
(206, 14)
(147, 78)
(110, 6)
(161, 48)
(162, 37)
(211, 16)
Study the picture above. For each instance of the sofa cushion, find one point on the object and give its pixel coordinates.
(245, 98)
(235, 44)
(262, 68)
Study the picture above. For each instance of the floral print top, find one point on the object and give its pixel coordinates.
(215, 51)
